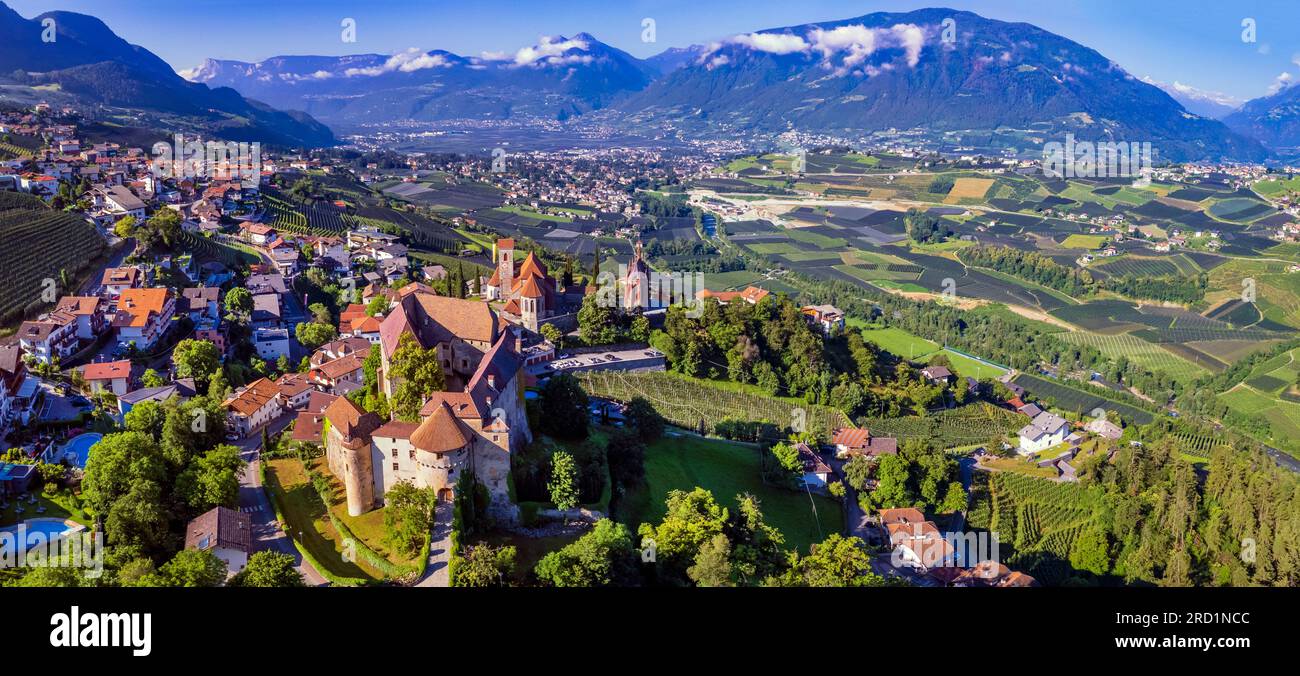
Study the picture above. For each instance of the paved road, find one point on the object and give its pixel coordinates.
(253, 501)
(439, 550)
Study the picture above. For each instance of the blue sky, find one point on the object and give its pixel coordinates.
(1194, 42)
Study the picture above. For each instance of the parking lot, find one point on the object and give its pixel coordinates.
(640, 359)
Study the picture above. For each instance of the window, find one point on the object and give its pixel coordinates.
(412, 454)
(394, 467)
(394, 453)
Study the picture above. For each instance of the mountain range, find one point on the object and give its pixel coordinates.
(948, 72)
(87, 63)
(875, 72)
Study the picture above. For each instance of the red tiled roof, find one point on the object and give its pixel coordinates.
(108, 370)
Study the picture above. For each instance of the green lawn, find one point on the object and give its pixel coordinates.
(966, 367)
(728, 469)
(60, 506)
(307, 521)
(1084, 241)
(900, 342)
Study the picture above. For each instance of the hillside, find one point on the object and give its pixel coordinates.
(89, 65)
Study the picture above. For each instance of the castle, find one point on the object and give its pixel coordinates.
(472, 426)
(529, 292)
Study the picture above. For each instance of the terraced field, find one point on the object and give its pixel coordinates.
(40, 245)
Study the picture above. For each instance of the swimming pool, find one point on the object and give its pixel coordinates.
(80, 447)
(51, 528)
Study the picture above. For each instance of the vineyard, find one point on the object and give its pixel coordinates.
(302, 218)
(962, 426)
(207, 248)
(686, 402)
(40, 244)
(1036, 520)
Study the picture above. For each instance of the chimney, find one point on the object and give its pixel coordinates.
(492, 381)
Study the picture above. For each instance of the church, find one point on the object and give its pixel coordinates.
(474, 425)
(529, 292)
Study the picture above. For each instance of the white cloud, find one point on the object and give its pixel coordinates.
(772, 43)
(547, 50)
(859, 41)
(844, 49)
(911, 39)
(1282, 81)
(408, 61)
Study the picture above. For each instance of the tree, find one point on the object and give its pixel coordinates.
(377, 305)
(320, 314)
(165, 226)
(692, 519)
(314, 334)
(146, 417)
(239, 301)
(268, 569)
(124, 227)
(212, 480)
(712, 566)
(197, 359)
(420, 374)
(408, 516)
(563, 485)
(625, 454)
(603, 557)
(564, 407)
(189, 568)
(788, 464)
(1091, 552)
(597, 323)
(552, 334)
(857, 471)
(486, 566)
(642, 417)
(640, 329)
(151, 378)
(836, 562)
(954, 499)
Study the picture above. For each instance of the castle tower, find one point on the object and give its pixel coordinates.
(505, 265)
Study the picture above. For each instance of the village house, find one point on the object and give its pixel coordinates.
(1043, 432)
(143, 316)
(50, 337)
(225, 533)
(89, 311)
(828, 317)
(202, 305)
(309, 426)
(253, 407)
(117, 280)
(110, 376)
(849, 441)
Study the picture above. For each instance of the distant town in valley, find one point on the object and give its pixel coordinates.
(573, 318)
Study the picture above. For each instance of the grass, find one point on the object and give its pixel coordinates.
(59, 506)
(900, 342)
(368, 527)
(728, 469)
(969, 368)
(305, 514)
(1089, 242)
